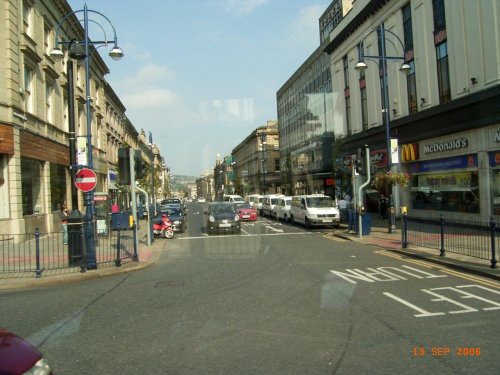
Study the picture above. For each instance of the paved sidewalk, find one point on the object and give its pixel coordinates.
(381, 237)
(147, 256)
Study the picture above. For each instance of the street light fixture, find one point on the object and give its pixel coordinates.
(80, 50)
(404, 68)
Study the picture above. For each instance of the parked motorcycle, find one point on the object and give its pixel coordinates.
(163, 228)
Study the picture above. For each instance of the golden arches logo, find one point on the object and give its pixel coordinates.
(409, 152)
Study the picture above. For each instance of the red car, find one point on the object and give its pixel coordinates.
(246, 211)
(18, 356)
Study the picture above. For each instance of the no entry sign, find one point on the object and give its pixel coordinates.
(85, 180)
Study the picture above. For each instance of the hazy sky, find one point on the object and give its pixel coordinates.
(201, 75)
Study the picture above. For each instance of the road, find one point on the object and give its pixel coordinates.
(277, 299)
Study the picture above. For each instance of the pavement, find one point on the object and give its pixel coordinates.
(379, 237)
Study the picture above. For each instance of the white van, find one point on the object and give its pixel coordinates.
(255, 200)
(233, 199)
(314, 209)
(268, 204)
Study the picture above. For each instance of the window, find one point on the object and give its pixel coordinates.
(364, 109)
(28, 89)
(276, 165)
(407, 28)
(443, 73)
(48, 37)
(31, 185)
(28, 18)
(348, 114)
(4, 191)
(439, 15)
(412, 89)
(57, 185)
(49, 103)
(346, 72)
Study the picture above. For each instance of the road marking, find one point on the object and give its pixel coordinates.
(423, 313)
(246, 235)
(274, 229)
(477, 279)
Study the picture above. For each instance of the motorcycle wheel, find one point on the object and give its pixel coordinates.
(168, 233)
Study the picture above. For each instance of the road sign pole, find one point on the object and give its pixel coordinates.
(86, 180)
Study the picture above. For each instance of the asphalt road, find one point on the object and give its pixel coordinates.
(277, 299)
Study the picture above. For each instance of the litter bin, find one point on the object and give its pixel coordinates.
(366, 224)
(75, 238)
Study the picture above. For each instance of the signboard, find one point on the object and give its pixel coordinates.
(85, 180)
(81, 150)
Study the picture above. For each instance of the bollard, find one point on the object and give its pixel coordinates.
(118, 262)
(404, 233)
(38, 272)
(135, 257)
(75, 240)
(493, 250)
(441, 225)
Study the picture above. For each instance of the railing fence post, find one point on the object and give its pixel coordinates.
(118, 262)
(38, 272)
(83, 261)
(404, 232)
(493, 250)
(441, 224)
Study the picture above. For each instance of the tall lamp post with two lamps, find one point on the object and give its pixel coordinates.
(80, 50)
(405, 68)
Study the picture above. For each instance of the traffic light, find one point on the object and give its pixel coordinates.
(360, 163)
(141, 169)
(123, 166)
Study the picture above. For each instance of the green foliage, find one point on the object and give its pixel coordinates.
(384, 180)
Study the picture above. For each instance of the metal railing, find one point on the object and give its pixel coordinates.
(23, 255)
(475, 239)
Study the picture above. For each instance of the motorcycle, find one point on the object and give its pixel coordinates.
(163, 228)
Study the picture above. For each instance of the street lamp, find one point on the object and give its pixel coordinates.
(79, 50)
(405, 68)
(153, 195)
(263, 139)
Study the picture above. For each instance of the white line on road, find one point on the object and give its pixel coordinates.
(246, 235)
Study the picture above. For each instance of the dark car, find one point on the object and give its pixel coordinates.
(174, 202)
(176, 216)
(222, 217)
(18, 356)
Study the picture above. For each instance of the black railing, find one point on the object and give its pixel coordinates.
(470, 238)
(40, 253)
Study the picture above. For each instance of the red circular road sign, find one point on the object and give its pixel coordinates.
(85, 180)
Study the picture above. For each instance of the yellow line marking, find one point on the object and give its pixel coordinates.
(462, 275)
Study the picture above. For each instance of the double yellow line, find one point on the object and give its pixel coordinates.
(466, 276)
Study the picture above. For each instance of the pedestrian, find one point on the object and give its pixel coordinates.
(342, 204)
(383, 204)
(64, 214)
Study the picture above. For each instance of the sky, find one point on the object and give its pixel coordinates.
(201, 75)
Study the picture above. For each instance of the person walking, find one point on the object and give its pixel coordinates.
(64, 222)
(342, 204)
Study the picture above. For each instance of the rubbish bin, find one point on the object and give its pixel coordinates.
(75, 238)
(366, 224)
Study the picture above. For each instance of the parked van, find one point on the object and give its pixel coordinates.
(268, 204)
(233, 199)
(282, 209)
(255, 200)
(314, 209)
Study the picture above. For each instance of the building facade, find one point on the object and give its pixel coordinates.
(35, 113)
(257, 162)
(444, 114)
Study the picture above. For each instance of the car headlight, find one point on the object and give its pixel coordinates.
(211, 218)
(236, 217)
(177, 222)
(40, 368)
(313, 216)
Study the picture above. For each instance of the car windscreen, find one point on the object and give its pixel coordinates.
(226, 208)
(319, 202)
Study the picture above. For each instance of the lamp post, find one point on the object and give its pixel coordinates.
(77, 52)
(263, 139)
(153, 195)
(405, 68)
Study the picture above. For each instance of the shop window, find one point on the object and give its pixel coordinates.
(31, 184)
(453, 192)
(4, 191)
(57, 186)
(495, 183)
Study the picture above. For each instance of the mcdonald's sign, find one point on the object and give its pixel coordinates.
(409, 152)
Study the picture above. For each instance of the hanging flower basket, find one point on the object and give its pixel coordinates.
(385, 180)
